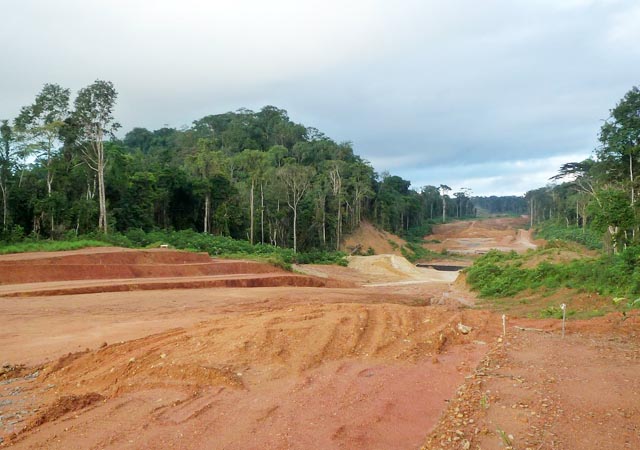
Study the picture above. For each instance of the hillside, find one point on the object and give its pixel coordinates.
(367, 236)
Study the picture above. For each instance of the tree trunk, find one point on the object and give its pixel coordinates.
(339, 225)
(444, 209)
(324, 223)
(207, 208)
(251, 212)
(261, 213)
(102, 219)
(531, 212)
(3, 188)
(631, 179)
(295, 229)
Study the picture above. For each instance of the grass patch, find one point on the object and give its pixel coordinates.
(50, 246)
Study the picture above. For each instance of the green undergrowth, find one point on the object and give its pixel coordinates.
(185, 240)
(584, 236)
(50, 246)
(498, 277)
(415, 237)
(416, 252)
(417, 234)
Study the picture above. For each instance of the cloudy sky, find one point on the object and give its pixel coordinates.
(491, 95)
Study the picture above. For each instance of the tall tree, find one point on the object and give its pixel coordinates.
(253, 163)
(444, 189)
(297, 180)
(94, 114)
(7, 162)
(620, 136)
(335, 177)
(207, 163)
(39, 125)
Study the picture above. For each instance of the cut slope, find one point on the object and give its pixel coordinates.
(119, 270)
(367, 236)
(95, 264)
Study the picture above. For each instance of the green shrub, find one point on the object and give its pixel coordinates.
(416, 252)
(588, 237)
(498, 274)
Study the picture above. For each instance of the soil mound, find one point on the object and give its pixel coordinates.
(393, 268)
(284, 341)
(64, 405)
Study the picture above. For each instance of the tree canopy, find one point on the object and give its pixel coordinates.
(254, 175)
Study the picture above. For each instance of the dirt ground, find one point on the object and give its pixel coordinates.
(476, 237)
(197, 353)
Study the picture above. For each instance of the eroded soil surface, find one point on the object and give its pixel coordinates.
(476, 237)
(110, 348)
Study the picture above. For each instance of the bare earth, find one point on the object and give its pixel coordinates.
(107, 348)
(479, 236)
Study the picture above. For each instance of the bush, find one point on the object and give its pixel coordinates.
(415, 252)
(498, 274)
(588, 237)
(416, 234)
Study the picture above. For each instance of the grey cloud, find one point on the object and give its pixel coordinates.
(422, 88)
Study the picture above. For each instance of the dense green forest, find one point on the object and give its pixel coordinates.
(250, 175)
(599, 195)
(507, 204)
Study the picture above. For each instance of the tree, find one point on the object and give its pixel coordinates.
(443, 192)
(361, 179)
(207, 163)
(94, 114)
(7, 162)
(253, 162)
(39, 125)
(620, 135)
(297, 180)
(335, 177)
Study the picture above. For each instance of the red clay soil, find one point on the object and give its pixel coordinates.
(98, 264)
(538, 390)
(315, 375)
(226, 281)
(306, 367)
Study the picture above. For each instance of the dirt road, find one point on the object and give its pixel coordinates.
(369, 356)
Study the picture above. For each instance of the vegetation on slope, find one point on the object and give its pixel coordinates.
(504, 276)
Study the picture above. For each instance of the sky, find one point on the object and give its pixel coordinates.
(493, 95)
